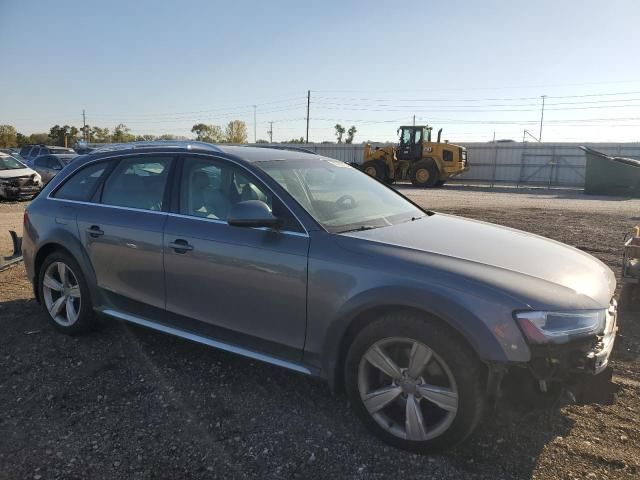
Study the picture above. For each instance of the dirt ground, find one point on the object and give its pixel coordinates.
(125, 402)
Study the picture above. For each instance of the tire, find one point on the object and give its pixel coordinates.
(376, 169)
(454, 378)
(424, 173)
(74, 314)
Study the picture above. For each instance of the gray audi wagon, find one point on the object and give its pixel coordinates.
(307, 263)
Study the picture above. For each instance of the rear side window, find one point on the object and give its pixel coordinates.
(138, 183)
(82, 184)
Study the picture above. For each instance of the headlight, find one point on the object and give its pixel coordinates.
(560, 327)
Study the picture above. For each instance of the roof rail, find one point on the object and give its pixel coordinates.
(284, 147)
(186, 144)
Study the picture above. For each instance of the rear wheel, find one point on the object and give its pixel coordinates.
(424, 173)
(64, 294)
(414, 384)
(376, 169)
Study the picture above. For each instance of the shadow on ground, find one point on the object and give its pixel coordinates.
(125, 401)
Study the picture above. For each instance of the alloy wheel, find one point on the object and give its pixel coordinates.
(61, 294)
(407, 388)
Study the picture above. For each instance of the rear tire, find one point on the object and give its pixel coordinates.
(64, 294)
(376, 169)
(424, 173)
(439, 384)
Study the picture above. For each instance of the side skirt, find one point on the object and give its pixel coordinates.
(206, 341)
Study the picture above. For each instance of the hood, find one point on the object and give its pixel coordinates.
(504, 249)
(16, 172)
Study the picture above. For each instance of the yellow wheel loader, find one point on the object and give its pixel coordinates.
(416, 158)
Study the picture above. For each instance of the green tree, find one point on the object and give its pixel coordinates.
(8, 136)
(145, 138)
(21, 139)
(350, 134)
(38, 138)
(122, 134)
(339, 132)
(100, 135)
(208, 133)
(236, 132)
(296, 140)
(171, 136)
(63, 136)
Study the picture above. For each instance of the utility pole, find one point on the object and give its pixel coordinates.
(84, 125)
(541, 118)
(270, 132)
(414, 120)
(255, 139)
(308, 104)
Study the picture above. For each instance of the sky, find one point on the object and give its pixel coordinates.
(474, 68)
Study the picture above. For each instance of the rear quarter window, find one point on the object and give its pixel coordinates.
(81, 185)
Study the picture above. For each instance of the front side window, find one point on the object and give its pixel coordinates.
(338, 196)
(52, 163)
(35, 151)
(82, 184)
(209, 189)
(138, 182)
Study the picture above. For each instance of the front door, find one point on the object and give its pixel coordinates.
(236, 284)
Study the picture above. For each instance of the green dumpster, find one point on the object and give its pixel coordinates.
(607, 175)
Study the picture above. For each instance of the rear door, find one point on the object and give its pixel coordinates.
(241, 285)
(122, 233)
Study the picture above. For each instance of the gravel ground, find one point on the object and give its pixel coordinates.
(130, 403)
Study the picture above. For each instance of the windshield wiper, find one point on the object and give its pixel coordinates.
(361, 228)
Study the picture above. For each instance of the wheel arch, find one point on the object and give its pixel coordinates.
(477, 338)
(74, 250)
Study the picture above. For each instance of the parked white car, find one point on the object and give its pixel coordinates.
(17, 181)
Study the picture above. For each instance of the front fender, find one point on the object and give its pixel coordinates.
(486, 325)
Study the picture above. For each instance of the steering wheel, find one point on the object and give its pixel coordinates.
(345, 202)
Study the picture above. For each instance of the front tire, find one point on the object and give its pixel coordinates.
(64, 294)
(414, 384)
(376, 169)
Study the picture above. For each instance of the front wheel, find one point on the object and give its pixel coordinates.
(414, 384)
(376, 169)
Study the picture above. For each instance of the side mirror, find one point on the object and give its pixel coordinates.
(251, 213)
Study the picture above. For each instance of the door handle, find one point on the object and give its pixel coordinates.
(180, 246)
(95, 231)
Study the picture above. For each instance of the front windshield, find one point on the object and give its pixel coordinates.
(338, 196)
(10, 163)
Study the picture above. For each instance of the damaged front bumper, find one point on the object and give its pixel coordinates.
(589, 355)
(19, 190)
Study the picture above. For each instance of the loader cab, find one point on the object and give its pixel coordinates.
(411, 141)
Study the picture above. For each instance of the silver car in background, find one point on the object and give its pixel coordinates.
(307, 263)
(49, 165)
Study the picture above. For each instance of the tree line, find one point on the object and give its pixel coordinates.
(68, 135)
